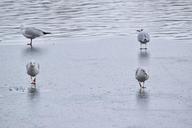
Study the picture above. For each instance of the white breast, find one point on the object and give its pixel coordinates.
(32, 70)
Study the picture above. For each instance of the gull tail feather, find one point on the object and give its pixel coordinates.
(46, 33)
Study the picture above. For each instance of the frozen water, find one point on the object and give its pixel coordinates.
(92, 84)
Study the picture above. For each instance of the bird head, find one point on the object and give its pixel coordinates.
(140, 30)
(32, 64)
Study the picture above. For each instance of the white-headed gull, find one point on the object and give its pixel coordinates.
(32, 33)
(32, 70)
(141, 76)
(143, 38)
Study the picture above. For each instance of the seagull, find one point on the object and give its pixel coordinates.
(32, 33)
(32, 71)
(143, 38)
(141, 76)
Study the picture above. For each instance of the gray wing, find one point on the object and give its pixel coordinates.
(147, 37)
(38, 66)
(33, 32)
(146, 75)
(143, 37)
(136, 72)
(27, 67)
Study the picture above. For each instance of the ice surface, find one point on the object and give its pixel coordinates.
(91, 84)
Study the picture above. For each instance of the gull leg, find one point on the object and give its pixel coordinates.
(140, 46)
(30, 43)
(145, 46)
(31, 79)
(140, 85)
(34, 80)
(143, 85)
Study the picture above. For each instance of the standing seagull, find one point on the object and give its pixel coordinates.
(141, 76)
(32, 70)
(32, 33)
(143, 38)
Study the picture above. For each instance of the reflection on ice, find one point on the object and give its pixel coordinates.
(32, 51)
(142, 98)
(144, 54)
(33, 92)
(142, 94)
(143, 57)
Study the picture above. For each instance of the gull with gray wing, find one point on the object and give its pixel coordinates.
(32, 70)
(32, 33)
(141, 75)
(143, 38)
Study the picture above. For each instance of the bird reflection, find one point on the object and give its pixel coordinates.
(142, 98)
(144, 57)
(33, 92)
(144, 54)
(32, 51)
(142, 94)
